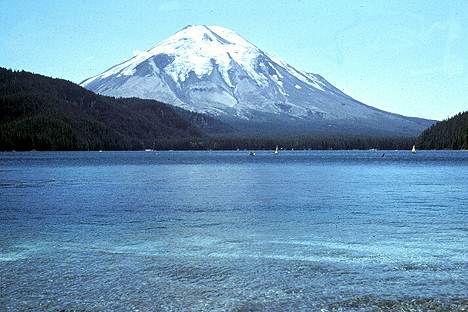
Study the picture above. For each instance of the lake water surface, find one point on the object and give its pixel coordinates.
(217, 231)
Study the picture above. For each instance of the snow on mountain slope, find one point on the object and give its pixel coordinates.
(211, 69)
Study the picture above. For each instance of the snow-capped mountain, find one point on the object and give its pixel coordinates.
(213, 70)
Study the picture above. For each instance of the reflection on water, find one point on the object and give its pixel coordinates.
(338, 231)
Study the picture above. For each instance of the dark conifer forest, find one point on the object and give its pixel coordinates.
(42, 113)
(38, 112)
(448, 134)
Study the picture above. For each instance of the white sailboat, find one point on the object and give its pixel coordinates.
(414, 149)
(276, 150)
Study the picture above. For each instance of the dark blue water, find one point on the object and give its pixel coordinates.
(337, 231)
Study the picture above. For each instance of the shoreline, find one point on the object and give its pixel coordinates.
(235, 150)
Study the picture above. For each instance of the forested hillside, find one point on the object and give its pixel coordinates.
(42, 113)
(38, 112)
(448, 134)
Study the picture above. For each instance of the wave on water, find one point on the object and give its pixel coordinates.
(9, 184)
(371, 303)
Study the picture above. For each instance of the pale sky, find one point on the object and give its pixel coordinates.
(406, 57)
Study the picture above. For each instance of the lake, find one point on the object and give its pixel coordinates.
(225, 231)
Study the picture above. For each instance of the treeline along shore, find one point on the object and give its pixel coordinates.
(43, 113)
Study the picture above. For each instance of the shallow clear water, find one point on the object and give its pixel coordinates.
(331, 230)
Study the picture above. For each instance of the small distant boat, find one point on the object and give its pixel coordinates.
(414, 149)
(148, 150)
(276, 150)
(252, 154)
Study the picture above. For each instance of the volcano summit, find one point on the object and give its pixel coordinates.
(213, 70)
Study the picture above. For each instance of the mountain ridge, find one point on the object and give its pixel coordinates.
(213, 70)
